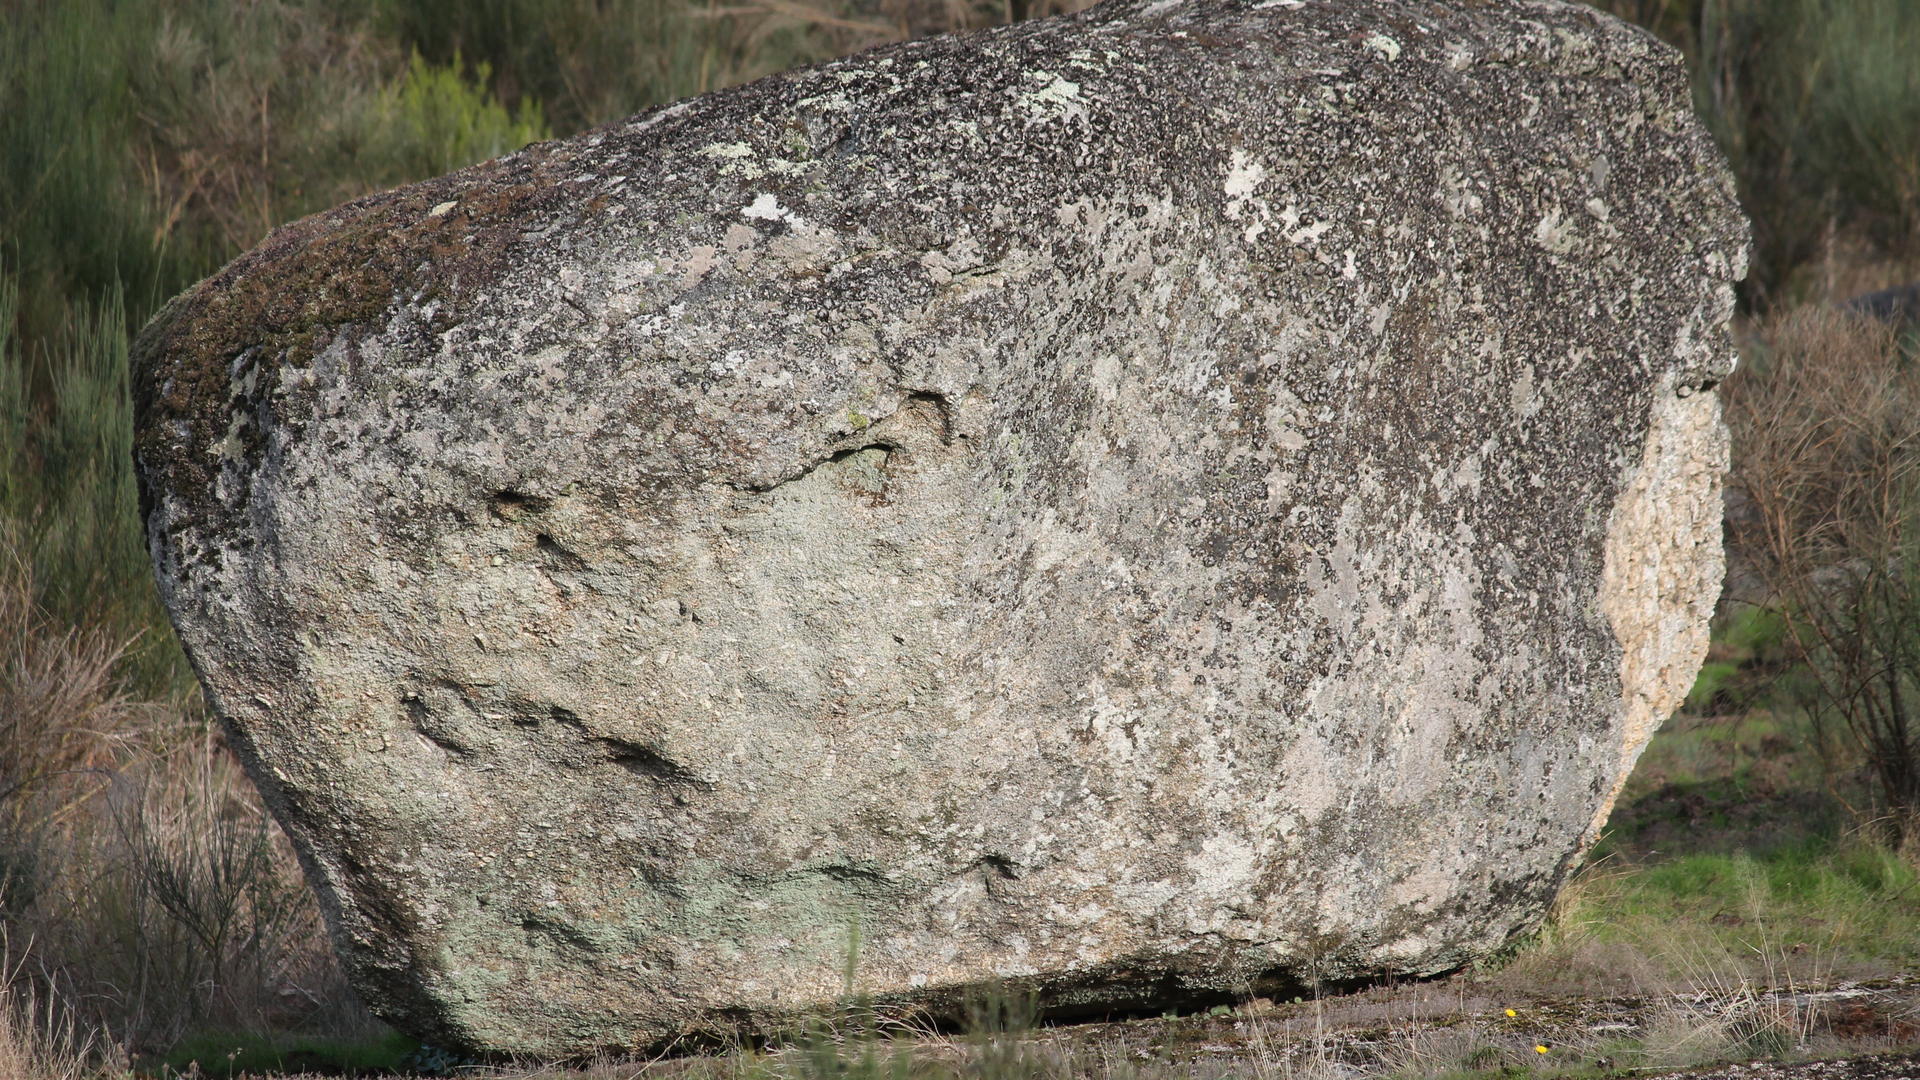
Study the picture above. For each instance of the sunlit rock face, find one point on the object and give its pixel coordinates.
(1149, 505)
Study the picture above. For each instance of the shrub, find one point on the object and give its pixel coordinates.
(60, 718)
(1826, 431)
(590, 62)
(436, 121)
(75, 218)
(144, 144)
(138, 872)
(67, 488)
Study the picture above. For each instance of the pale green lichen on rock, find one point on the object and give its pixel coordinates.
(1152, 504)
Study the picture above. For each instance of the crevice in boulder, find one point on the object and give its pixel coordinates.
(514, 505)
(646, 761)
(557, 555)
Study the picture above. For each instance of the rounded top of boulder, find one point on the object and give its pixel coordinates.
(892, 146)
(1153, 503)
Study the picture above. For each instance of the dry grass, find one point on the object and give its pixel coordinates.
(62, 718)
(30, 1049)
(40, 1038)
(146, 891)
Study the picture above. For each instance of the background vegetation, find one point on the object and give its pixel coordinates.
(149, 910)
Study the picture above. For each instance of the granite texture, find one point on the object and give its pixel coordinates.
(1151, 505)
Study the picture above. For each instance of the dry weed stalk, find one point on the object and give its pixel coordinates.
(1750, 1005)
(39, 1039)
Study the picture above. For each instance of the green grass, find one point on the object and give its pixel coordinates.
(74, 222)
(1741, 663)
(1853, 900)
(1744, 840)
(231, 1055)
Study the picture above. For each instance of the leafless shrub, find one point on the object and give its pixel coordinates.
(1826, 431)
(206, 919)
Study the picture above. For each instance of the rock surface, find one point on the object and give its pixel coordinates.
(1152, 504)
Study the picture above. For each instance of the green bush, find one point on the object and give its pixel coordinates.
(67, 487)
(590, 61)
(436, 121)
(75, 220)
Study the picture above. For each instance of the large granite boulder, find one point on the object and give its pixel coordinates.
(1149, 505)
